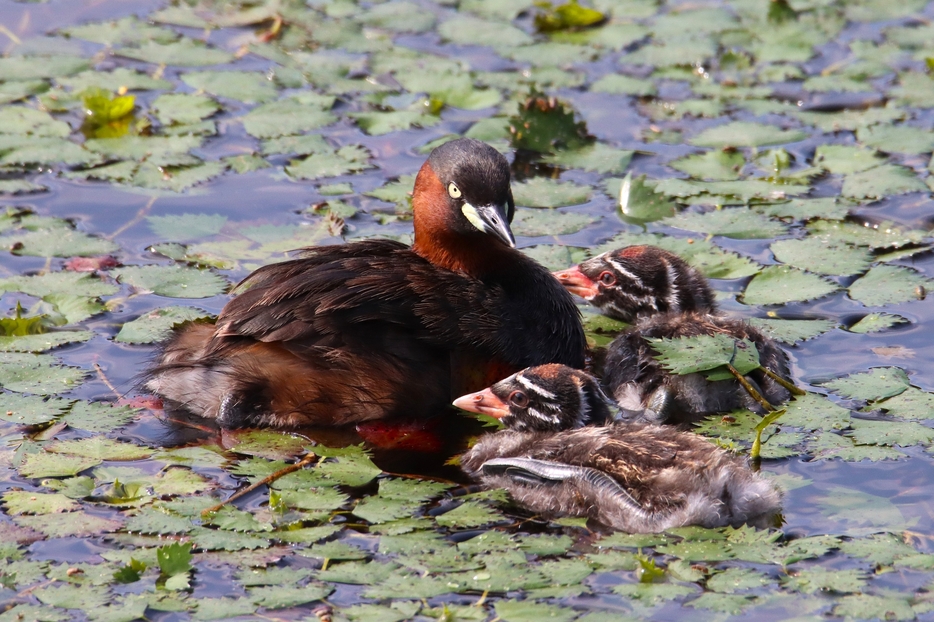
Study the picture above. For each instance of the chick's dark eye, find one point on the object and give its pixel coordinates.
(607, 278)
(519, 399)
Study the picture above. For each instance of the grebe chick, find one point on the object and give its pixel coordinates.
(667, 298)
(633, 477)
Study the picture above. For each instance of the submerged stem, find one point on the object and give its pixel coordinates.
(792, 387)
(750, 389)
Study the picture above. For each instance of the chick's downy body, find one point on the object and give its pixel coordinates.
(633, 477)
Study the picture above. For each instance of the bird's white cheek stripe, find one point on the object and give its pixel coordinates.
(674, 295)
(619, 268)
(470, 212)
(531, 386)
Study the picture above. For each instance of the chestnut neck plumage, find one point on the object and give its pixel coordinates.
(437, 241)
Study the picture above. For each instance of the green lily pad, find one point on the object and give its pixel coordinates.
(598, 158)
(157, 324)
(743, 190)
(812, 580)
(543, 192)
(638, 202)
(534, 223)
(876, 322)
(885, 285)
(35, 67)
(468, 30)
(846, 159)
(183, 108)
(882, 181)
(713, 165)
(746, 134)
(185, 52)
(792, 331)
(378, 123)
(245, 86)
(911, 403)
(688, 355)
(739, 223)
(781, 284)
(55, 465)
(348, 159)
(37, 373)
(186, 226)
(807, 209)
(815, 412)
(58, 283)
(876, 235)
(43, 341)
(876, 384)
(58, 243)
(619, 84)
(100, 448)
(888, 433)
(897, 138)
(291, 115)
(173, 281)
(822, 256)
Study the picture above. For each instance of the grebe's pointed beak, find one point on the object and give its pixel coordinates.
(577, 283)
(484, 402)
(490, 219)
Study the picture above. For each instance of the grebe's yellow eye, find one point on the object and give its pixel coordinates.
(454, 191)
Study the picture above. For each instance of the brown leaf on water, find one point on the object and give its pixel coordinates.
(894, 352)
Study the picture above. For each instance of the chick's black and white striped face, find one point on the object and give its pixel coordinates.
(550, 398)
(643, 280)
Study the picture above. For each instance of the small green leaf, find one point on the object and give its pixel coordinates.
(102, 107)
(130, 573)
(766, 421)
(174, 559)
(567, 16)
(639, 202)
(545, 125)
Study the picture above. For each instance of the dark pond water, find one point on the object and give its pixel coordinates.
(832, 73)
